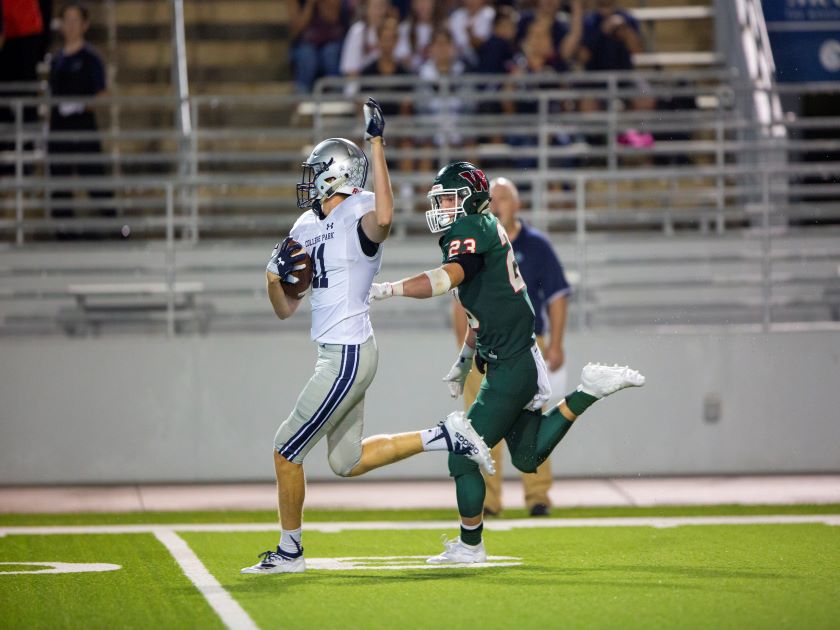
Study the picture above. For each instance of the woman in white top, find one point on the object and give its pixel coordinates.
(416, 33)
(470, 26)
(361, 45)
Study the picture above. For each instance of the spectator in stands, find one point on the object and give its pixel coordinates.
(416, 33)
(361, 46)
(445, 109)
(77, 70)
(674, 103)
(537, 59)
(470, 26)
(495, 57)
(22, 38)
(21, 48)
(386, 65)
(611, 37)
(565, 33)
(497, 52)
(318, 28)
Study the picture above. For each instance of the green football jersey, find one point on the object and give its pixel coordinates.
(496, 301)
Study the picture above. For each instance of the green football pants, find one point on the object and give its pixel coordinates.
(498, 413)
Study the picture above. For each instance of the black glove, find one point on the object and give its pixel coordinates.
(374, 120)
(480, 364)
(283, 262)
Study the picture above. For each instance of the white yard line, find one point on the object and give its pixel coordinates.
(492, 525)
(230, 612)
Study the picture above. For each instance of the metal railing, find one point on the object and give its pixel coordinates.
(590, 260)
(229, 136)
(704, 174)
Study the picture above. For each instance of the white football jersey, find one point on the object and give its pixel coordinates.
(341, 272)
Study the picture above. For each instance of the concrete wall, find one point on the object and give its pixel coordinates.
(129, 409)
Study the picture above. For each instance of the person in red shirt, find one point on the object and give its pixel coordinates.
(21, 48)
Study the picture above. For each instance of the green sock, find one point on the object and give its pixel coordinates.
(578, 402)
(471, 536)
(553, 427)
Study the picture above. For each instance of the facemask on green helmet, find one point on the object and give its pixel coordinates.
(459, 189)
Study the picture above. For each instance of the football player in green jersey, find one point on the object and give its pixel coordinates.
(479, 264)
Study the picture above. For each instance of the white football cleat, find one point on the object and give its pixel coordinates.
(462, 439)
(457, 552)
(278, 562)
(602, 380)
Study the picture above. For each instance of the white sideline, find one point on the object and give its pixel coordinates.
(230, 612)
(492, 525)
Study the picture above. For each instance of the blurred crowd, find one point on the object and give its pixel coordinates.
(527, 40)
(427, 38)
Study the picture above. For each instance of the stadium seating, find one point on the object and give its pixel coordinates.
(620, 215)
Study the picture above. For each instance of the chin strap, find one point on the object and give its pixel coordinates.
(316, 208)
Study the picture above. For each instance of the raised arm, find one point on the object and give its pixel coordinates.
(377, 224)
(571, 42)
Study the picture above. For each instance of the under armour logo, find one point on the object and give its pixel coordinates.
(329, 226)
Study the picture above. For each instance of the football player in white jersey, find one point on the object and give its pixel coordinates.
(342, 230)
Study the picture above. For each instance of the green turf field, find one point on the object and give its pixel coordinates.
(568, 572)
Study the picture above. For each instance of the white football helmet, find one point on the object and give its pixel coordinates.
(335, 166)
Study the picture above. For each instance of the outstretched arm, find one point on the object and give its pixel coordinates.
(425, 285)
(570, 43)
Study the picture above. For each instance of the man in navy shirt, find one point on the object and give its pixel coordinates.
(610, 38)
(547, 289)
(77, 70)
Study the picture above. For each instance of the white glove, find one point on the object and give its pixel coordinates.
(459, 371)
(381, 291)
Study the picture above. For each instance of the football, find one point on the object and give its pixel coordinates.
(304, 277)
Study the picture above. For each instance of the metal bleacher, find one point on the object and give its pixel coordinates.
(726, 220)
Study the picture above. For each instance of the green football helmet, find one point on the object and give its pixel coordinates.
(459, 189)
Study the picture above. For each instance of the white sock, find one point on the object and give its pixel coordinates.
(290, 541)
(434, 439)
